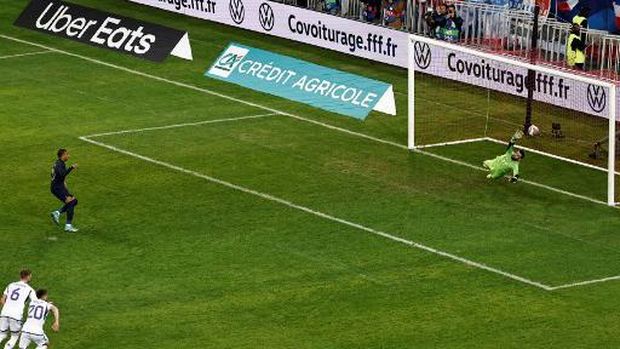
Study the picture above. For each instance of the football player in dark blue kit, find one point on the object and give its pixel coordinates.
(60, 191)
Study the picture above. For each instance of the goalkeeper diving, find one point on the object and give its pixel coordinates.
(507, 164)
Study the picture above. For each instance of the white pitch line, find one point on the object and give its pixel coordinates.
(319, 214)
(205, 122)
(584, 283)
(25, 54)
(457, 162)
(203, 90)
(347, 131)
(443, 144)
(259, 106)
(557, 157)
(568, 193)
(538, 185)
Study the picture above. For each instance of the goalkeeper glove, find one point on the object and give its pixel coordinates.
(516, 136)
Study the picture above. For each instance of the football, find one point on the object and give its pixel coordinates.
(533, 131)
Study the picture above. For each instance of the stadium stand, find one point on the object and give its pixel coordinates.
(501, 29)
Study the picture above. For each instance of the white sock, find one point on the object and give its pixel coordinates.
(3, 336)
(11, 343)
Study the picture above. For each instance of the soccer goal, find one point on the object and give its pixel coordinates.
(464, 104)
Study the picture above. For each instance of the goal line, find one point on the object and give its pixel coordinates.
(531, 150)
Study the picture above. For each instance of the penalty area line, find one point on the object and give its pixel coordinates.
(585, 283)
(186, 124)
(319, 214)
(26, 54)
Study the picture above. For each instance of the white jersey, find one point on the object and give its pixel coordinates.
(16, 295)
(37, 313)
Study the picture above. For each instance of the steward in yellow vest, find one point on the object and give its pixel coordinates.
(575, 48)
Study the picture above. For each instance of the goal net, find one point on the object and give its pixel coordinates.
(464, 106)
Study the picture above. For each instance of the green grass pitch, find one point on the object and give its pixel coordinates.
(262, 232)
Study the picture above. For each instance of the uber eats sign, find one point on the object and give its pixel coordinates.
(297, 80)
(101, 29)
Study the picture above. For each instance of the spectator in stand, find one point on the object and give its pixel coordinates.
(451, 28)
(371, 10)
(436, 19)
(394, 13)
(332, 7)
(575, 48)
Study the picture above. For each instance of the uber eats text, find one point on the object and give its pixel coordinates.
(109, 32)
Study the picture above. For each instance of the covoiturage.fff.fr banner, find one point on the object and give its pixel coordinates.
(318, 29)
(501, 74)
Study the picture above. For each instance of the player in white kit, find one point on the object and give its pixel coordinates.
(13, 301)
(32, 332)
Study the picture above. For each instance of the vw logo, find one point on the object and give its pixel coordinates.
(597, 98)
(422, 54)
(266, 17)
(237, 11)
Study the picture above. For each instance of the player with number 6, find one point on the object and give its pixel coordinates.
(13, 300)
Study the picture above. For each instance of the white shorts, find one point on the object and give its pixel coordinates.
(39, 339)
(8, 324)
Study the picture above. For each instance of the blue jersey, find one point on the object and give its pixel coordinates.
(59, 174)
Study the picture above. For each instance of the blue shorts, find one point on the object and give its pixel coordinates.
(61, 193)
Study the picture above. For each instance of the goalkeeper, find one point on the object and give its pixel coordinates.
(507, 163)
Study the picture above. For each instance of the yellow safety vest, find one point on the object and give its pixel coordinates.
(574, 56)
(579, 19)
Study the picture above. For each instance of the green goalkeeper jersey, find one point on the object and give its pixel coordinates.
(503, 164)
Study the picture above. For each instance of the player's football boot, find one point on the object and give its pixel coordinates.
(55, 217)
(71, 229)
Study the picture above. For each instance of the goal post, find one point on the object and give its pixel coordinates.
(612, 156)
(463, 102)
